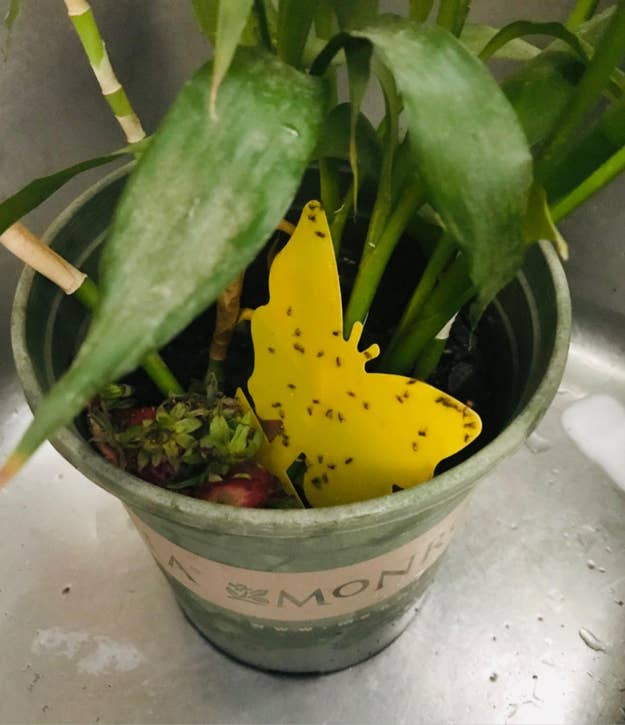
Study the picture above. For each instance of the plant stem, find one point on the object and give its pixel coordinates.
(83, 20)
(88, 295)
(583, 10)
(608, 53)
(428, 360)
(384, 198)
(294, 21)
(340, 218)
(33, 252)
(441, 256)
(420, 10)
(329, 182)
(263, 25)
(228, 307)
(453, 291)
(597, 180)
(372, 266)
(452, 15)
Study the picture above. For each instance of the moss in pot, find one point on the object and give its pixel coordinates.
(258, 139)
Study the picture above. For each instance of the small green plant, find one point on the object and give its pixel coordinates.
(486, 168)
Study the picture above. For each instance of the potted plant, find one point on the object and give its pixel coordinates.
(477, 177)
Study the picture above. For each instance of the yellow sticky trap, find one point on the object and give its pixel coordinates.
(363, 434)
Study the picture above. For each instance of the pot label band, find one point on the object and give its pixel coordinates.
(302, 596)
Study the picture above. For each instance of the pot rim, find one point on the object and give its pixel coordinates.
(288, 523)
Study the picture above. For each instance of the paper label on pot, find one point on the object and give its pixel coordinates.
(302, 596)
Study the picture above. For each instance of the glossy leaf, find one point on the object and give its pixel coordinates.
(232, 16)
(469, 149)
(520, 28)
(334, 140)
(541, 89)
(37, 191)
(200, 204)
(475, 36)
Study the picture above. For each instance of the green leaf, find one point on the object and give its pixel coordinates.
(358, 54)
(419, 10)
(540, 90)
(198, 207)
(518, 29)
(469, 149)
(37, 191)
(11, 15)
(452, 14)
(475, 36)
(334, 140)
(539, 224)
(232, 16)
(609, 52)
(294, 20)
(206, 16)
(353, 14)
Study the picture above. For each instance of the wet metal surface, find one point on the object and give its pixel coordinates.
(524, 623)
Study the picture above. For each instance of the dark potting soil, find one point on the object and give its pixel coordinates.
(470, 368)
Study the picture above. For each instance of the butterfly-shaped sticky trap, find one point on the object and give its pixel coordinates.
(362, 434)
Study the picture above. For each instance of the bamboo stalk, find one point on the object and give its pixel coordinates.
(83, 20)
(21, 242)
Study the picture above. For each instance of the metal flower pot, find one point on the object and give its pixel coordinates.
(297, 590)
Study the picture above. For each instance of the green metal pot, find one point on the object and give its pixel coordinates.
(297, 591)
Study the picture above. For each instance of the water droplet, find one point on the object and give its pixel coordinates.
(602, 569)
(590, 640)
(608, 549)
(555, 471)
(537, 443)
(591, 564)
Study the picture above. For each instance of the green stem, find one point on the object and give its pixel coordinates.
(263, 24)
(608, 53)
(294, 20)
(441, 257)
(596, 181)
(84, 22)
(428, 360)
(452, 292)
(329, 183)
(153, 364)
(87, 294)
(340, 218)
(420, 10)
(384, 199)
(373, 265)
(583, 10)
(452, 14)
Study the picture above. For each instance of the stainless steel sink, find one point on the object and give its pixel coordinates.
(526, 619)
